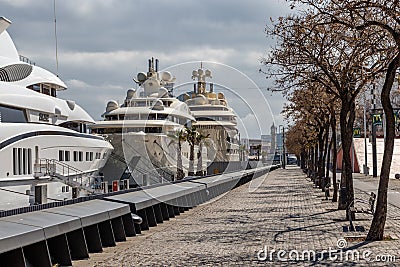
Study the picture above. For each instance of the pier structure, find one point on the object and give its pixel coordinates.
(60, 233)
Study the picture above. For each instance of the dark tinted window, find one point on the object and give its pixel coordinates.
(8, 114)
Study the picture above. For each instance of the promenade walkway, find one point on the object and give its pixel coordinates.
(245, 228)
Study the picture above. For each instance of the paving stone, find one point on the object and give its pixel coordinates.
(285, 213)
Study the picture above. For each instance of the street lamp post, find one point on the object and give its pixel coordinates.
(366, 171)
(374, 156)
(283, 146)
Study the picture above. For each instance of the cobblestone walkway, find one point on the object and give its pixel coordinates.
(284, 213)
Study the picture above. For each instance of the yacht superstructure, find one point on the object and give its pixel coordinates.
(214, 117)
(143, 130)
(44, 141)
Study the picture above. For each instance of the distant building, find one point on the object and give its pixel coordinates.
(279, 142)
(266, 143)
(273, 139)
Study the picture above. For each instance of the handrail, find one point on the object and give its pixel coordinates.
(68, 174)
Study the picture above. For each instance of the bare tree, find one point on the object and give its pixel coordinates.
(381, 17)
(337, 57)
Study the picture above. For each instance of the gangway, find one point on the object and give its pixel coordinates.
(67, 174)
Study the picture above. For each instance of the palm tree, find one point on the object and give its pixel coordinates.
(200, 140)
(178, 137)
(191, 138)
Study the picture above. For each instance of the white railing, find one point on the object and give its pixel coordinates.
(66, 173)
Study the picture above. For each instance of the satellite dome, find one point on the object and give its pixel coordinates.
(141, 77)
(158, 105)
(131, 93)
(166, 76)
(162, 92)
(201, 100)
(112, 105)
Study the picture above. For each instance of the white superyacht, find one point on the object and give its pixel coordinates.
(214, 117)
(44, 144)
(142, 130)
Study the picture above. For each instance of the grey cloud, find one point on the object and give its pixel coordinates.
(172, 30)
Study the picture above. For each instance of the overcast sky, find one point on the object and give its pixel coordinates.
(102, 44)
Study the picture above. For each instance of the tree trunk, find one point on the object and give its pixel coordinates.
(191, 159)
(325, 152)
(378, 222)
(320, 161)
(199, 160)
(328, 156)
(315, 160)
(347, 116)
(311, 162)
(179, 169)
(334, 156)
(303, 159)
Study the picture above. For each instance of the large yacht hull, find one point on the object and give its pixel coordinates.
(24, 148)
(218, 148)
(19, 194)
(145, 158)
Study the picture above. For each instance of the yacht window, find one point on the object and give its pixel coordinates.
(53, 92)
(132, 117)
(19, 160)
(60, 155)
(162, 116)
(67, 156)
(75, 155)
(15, 161)
(67, 189)
(153, 130)
(204, 119)
(111, 130)
(151, 117)
(80, 156)
(82, 128)
(35, 87)
(71, 125)
(140, 104)
(46, 91)
(29, 161)
(98, 131)
(167, 103)
(22, 158)
(9, 114)
(104, 155)
(112, 117)
(89, 156)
